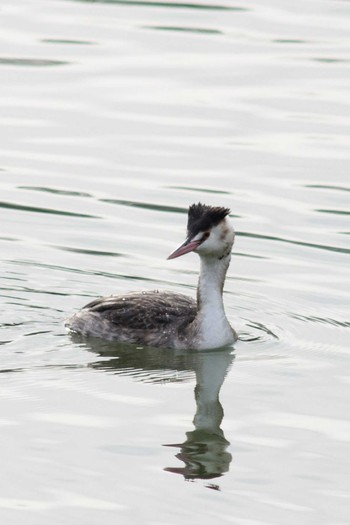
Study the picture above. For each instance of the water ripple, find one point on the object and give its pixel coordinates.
(85, 251)
(200, 189)
(323, 320)
(327, 187)
(298, 243)
(335, 212)
(33, 62)
(168, 5)
(51, 211)
(248, 337)
(55, 191)
(196, 30)
(65, 41)
(151, 206)
(146, 205)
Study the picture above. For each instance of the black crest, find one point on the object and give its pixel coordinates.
(202, 218)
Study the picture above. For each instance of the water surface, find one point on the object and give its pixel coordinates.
(115, 116)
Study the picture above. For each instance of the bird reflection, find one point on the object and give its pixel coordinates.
(204, 452)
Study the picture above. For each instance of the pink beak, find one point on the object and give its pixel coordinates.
(186, 247)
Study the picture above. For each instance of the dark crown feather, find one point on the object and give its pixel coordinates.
(202, 218)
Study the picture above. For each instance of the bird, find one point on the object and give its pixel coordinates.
(164, 318)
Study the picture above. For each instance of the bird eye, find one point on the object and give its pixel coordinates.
(205, 236)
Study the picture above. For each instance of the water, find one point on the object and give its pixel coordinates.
(115, 116)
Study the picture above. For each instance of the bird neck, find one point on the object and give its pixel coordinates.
(211, 369)
(210, 286)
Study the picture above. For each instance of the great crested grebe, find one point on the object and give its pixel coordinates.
(166, 319)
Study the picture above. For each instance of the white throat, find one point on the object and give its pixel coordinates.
(214, 327)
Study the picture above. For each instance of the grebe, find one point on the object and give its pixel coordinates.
(166, 319)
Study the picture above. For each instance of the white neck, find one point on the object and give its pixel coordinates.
(211, 369)
(214, 327)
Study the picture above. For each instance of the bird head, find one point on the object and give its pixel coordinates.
(209, 232)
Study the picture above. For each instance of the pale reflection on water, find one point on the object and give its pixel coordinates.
(204, 452)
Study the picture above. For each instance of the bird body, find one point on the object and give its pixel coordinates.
(152, 318)
(166, 319)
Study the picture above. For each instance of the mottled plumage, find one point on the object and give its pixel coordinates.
(150, 317)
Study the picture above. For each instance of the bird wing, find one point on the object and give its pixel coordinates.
(145, 310)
